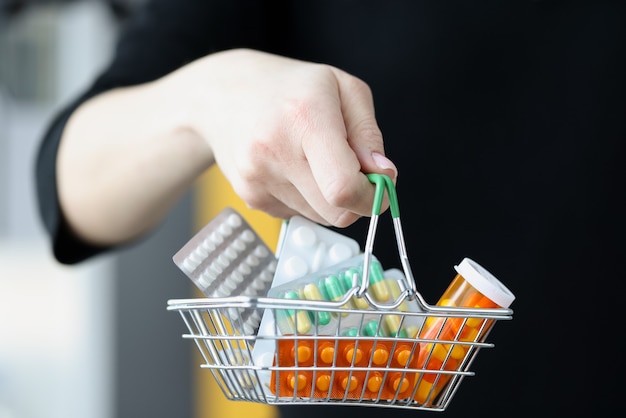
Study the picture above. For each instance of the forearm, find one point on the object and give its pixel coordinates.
(125, 158)
(291, 137)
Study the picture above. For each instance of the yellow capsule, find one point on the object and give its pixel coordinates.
(333, 290)
(446, 302)
(392, 326)
(473, 322)
(412, 331)
(439, 352)
(359, 303)
(377, 286)
(457, 351)
(469, 334)
(394, 289)
(303, 322)
(299, 319)
(424, 391)
(312, 292)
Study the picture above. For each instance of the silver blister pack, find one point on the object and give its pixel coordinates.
(227, 258)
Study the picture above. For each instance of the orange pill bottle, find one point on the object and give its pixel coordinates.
(472, 287)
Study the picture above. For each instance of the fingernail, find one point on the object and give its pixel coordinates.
(384, 163)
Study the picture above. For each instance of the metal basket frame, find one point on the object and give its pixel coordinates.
(215, 325)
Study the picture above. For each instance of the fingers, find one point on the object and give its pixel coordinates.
(347, 145)
(363, 133)
(294, 137)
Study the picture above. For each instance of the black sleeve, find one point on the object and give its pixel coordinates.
(160, 37)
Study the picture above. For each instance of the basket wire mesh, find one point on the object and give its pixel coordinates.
(418, 368)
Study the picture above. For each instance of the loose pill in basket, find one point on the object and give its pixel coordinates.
(227, 258)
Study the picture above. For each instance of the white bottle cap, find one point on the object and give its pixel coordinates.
(485, 282)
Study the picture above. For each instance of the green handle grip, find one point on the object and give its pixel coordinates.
(383, 182)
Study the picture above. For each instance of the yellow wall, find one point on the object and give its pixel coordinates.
(214, 194)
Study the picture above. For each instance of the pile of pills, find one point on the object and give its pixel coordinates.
(331, 285)
(472, 287)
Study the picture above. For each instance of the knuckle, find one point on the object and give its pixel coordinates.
(339, 194)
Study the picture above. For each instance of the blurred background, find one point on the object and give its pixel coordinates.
(93, 340)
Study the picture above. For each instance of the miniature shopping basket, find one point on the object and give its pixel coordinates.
(361, 348)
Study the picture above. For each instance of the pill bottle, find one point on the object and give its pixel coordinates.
(472, 287)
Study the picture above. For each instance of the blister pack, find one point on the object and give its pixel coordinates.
(227, 258)
(332, 284)
(306, 247)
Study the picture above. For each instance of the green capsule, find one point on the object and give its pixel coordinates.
(335, 290)
(392, 326)
(348, 276)
(298, 319)
(351, 332)
(359, 303)
(371, 329)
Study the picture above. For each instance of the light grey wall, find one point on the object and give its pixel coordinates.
(152, 374)
(154, 366)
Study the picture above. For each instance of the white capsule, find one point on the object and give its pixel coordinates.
(257, 284)
(339, 252)
(208, 245)
(234, 220)
(216, 238)
(196, 258)
(201, 252)
(203, 281)
(228, 286)
(219, 293)
(215, 269)
(295, 267)
(189, 265)
(247, 235)
(230, 253)
(244, 269)
(304, 237)
(238, 245)
(266, 276)
(225, 230)
(236, 277)
(222, 260)
(252, 260)
(261, 251)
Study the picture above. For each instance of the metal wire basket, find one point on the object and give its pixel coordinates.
(418, 363)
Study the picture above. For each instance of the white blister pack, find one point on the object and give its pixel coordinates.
(227, 258)
(304, 248)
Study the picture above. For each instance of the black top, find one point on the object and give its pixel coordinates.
(507, 121)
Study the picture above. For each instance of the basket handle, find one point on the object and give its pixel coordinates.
(384, 183)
